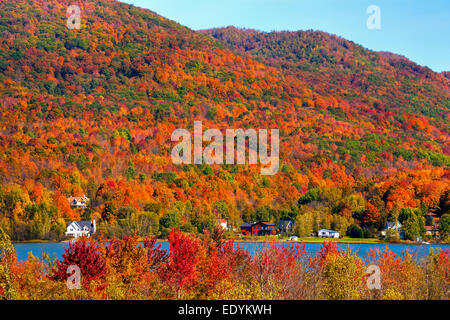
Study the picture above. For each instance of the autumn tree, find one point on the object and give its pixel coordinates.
(7, 261)
(180, 270)
(343, 277)
(86, 256)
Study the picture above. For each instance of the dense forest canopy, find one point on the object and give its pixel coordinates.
(364, 136)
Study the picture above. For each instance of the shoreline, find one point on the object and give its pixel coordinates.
(275, 240)
(64, 241)
(344, 241)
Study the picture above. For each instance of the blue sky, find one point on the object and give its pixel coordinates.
(417, 29)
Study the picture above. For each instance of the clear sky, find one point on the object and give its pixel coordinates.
(417, 29)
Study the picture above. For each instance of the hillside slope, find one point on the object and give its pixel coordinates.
(331, 64)
(92, 111)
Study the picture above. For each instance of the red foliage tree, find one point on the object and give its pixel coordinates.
(372, 214)
(179, 271)
(327, 248)
(444, 264)
(84, 255)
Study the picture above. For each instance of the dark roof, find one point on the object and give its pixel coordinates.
(392, 224)
(83, 224)
(249, 225)
(246, 225)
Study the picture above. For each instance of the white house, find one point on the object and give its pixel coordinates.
(393, 226)
(390, 225)
(77, 229)
(326, 233)
(78, 202)
(222, 223)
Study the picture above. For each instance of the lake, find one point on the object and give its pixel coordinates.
(56, 249)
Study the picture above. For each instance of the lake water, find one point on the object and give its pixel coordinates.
(55, 250)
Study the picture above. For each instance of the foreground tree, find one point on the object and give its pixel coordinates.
(8, 259)
(343, 277)
(86, 256)
(179, 272)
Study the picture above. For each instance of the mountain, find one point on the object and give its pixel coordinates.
(333, 65)
(91, 111)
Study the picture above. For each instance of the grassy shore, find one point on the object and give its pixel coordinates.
(340, 240)
(305, 240)
(40, 241)
(321, 240)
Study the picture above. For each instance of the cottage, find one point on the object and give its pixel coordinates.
(260, 228)
(432, 231)
(78, 229)
(326, 233)
(286, 226)
(246, 229)
(78, 202)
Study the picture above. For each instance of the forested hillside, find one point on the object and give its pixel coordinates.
(333, 65)
(364, 136)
